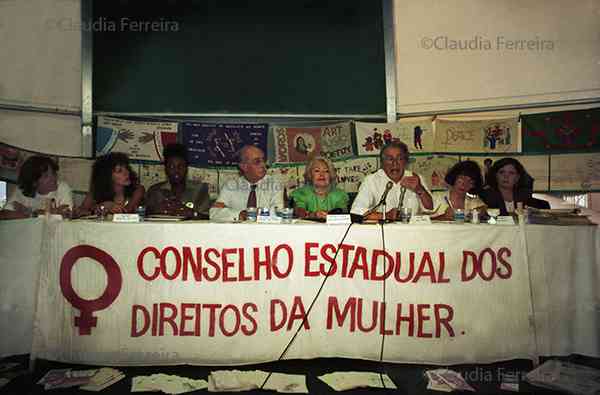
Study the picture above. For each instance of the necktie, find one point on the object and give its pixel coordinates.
(252, 197)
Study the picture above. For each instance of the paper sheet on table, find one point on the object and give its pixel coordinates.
(565, 376)
(235, 380)
(436, 383)
(169, 384)
(105, 377)
(342, 381)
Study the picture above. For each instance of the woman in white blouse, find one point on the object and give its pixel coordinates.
(464, 182)
(39, 191)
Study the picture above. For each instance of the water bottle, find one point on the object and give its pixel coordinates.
(141, 212)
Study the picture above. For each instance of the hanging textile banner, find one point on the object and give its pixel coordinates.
(433, 168)
(11, 160)
(351, 172)
(562, 131)
(579, 172)
(76, 172)
(494, 135)
(416, 133)
(537, 166)
(299, 144)
(291, 177)
(219, 144)
(141, 140)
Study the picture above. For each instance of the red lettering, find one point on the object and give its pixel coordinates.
(258, 263)
(422, 317)
(194, 263)
(501, 254)
(445, 321)
(492, 272)
(246, 308)
(212, 309)
(360, 313)
(168, 318)
(236, 320)
(464, 275)
(388, 265)
(309, 257)
(441, 278)
(359, 263)
(242, 273)
(276, 260)
(140, 263)
(410, 319)
(275, 326)
(185, 317)
(328, 252)
(333, 309)
(411, 268)
(163, 263)
(135, 332)
(298, 313)
(227, 264)
(211, 263)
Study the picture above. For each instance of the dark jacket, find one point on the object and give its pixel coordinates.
(493, 199)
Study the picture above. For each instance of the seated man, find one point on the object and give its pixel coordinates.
(405, 188)
(254, 188)
(177, 196)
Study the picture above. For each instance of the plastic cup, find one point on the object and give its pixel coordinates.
(459, 215)
(287, 214)
(251, 214)
(405, 214)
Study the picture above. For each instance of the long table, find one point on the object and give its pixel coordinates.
(223, 294)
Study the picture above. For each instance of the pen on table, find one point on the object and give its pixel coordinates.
(448, 201)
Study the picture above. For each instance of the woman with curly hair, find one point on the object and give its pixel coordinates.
(114, 187)
(464, 183)
(38, 191)
(319, 195)
(509, 184)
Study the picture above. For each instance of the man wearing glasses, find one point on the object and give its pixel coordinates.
(254, 188)
(405, 188)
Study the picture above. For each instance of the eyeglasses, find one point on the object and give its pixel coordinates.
(391, 159)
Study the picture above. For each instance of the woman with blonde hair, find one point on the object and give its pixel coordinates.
(319, 195)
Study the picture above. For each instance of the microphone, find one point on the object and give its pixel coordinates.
(388, 187)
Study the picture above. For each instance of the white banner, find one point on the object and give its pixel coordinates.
(20, 261)
(200, 294)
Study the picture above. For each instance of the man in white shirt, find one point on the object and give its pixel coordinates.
(406, 189)
(254, 188)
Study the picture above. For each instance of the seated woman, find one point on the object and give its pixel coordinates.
(464, 181)
(177, 196)
(114, 187)
(38, 191)
(319, 195)
(510, 184)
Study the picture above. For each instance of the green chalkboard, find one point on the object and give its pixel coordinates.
(287, 57)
